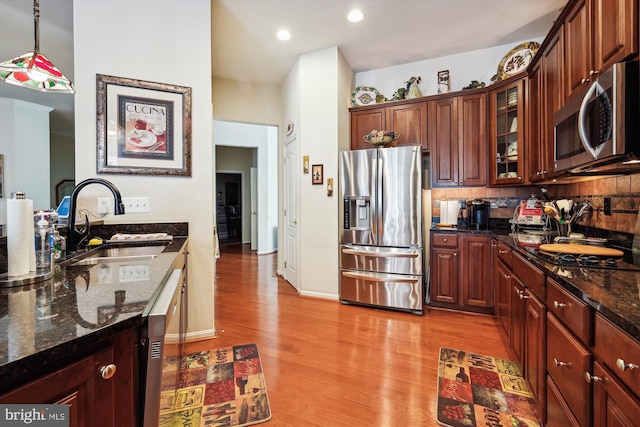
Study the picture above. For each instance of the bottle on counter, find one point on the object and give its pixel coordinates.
(59, 245)
(43, 245)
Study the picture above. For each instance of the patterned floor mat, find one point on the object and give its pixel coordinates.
(477, 390)
(220, 387)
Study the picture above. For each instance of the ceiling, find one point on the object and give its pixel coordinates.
(244, 46)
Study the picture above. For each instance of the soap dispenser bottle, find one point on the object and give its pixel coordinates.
(43, 245)
(59, 245)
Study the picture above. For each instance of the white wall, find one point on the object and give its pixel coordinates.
(478, 65)
(166, 42)
(246, 102)
(24, 142)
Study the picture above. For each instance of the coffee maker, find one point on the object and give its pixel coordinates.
(478, 214)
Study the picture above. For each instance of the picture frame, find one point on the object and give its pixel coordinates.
(316, 175)
(329, 187)
(444, 83)
(142, 127)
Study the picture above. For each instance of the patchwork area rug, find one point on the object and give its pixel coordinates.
(477, 390)
(221, 387)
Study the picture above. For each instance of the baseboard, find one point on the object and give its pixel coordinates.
(321, 295)
(206, 334)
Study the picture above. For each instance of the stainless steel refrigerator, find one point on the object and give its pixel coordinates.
(381, 252)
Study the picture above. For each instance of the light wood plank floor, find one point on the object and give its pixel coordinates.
(329, 364)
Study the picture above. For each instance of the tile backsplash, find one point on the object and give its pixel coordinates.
(624, 192)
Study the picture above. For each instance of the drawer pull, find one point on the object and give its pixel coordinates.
(107, 371)
(507, 277)
(559, 363)
(444, 240)
(523, 296)
(500, 251)
(557, 304)
(623, 366)
(591, 378)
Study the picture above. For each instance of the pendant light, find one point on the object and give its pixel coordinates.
(33, 70)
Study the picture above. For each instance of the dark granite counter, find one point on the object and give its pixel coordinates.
(51, 321)
(613, 293)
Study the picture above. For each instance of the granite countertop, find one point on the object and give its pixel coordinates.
(613, 293)
(43, 323)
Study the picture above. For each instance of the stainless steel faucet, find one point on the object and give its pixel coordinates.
(75, 236)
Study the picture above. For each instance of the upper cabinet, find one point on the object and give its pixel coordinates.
(598, 33)
(506, 133)
(458, 140)
(363, 122)
(408, 119)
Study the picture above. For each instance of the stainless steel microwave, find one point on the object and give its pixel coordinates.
(597, 130)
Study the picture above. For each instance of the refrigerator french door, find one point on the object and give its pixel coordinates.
(381, 252)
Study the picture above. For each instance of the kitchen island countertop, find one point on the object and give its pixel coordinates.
(50, 322)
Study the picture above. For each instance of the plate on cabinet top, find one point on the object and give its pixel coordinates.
(364, 95)
(516, 60)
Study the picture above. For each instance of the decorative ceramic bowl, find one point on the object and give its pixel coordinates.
(380, 138)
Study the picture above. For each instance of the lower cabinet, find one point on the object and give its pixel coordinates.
(612, 404)
(535, 348)
(461, 272)
(100, 389)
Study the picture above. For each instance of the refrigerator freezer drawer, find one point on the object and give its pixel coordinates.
(381, 260)
(395, 291)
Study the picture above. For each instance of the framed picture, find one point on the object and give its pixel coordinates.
(443, 81)
(329, 187)
(142, 127)
(316, 175)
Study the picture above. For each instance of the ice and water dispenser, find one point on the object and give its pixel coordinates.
(357, 213)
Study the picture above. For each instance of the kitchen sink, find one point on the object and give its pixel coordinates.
(121, 254)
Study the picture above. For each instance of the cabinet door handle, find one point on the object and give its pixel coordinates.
(107, 371)
(523, 296)
(557, 304)
(500, 251)
(623, 366)
(593, 72)
(444, 240)
(584, 80)
(507, 277)
(559, 363)
(591, 378)
(455, 254)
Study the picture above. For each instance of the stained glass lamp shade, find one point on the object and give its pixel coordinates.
(33, 70)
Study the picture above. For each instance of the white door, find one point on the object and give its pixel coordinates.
(291, 211)
(254, 208)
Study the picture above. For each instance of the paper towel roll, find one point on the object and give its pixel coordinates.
(20, 242)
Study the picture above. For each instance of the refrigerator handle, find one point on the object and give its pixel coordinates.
(374, 278)
(379, 229)
(371, 254)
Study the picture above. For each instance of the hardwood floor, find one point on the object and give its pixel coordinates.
(329, 364)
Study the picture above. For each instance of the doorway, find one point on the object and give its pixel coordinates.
(229, 209)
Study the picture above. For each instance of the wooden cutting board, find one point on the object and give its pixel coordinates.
(578, 249)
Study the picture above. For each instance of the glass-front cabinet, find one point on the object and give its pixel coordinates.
(506, 116)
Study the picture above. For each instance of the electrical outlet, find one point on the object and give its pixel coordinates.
(607, 205)
(103, 205)
(135, 204)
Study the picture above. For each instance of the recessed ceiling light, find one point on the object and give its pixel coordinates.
(355, 16)
(283, 34)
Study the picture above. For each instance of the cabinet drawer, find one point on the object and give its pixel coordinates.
(529, 275)
(558, 413)
(575, 314)
(504, 253)
(567, 361)
(613, 346)
(445, 240)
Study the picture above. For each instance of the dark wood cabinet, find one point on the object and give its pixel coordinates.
(363, 122)
(535, 349)
(410, 121)
(612, 404)
(552, 98)
(100, 388)
(558, 413)
(461, 272)
(475, 271)
(503, 297)
(516, 319)
(458, 140)
(506, 133)
(598, 33)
